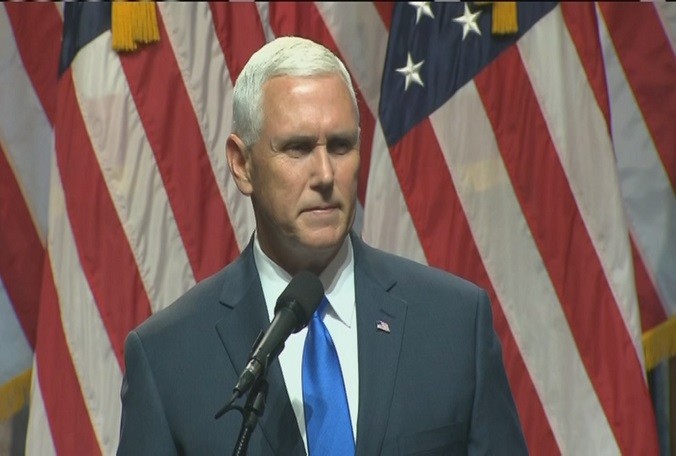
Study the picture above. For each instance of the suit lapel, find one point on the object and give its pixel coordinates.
(247, 317)
(380, 326)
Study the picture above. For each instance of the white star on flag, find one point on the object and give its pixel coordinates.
(422, 9)
(412, 72)
(468, 21)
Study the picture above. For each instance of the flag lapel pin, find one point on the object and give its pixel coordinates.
(382, 326)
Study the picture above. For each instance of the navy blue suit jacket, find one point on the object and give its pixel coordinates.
(435, 384)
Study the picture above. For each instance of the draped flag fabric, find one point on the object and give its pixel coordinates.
(540, 165)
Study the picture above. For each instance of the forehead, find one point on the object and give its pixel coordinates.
(290, 96)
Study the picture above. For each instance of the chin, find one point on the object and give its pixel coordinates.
(324, 241)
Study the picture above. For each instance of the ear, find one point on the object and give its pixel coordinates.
(238, 161)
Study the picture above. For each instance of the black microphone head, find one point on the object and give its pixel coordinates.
(302, 296)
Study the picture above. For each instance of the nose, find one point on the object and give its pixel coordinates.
(323, 167)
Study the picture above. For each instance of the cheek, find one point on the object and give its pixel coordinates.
(349, 174)
(267, 179)
(280, 190)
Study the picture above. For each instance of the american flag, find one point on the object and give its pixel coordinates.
(540, 165)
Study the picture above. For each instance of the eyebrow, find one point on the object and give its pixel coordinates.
(351, 136)
(293, 139)
(279, 143)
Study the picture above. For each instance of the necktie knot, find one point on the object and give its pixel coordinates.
(321, 309)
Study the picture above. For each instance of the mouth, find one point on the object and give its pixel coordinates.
(322, 209)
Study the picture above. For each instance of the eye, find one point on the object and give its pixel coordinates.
(340, 146)
(298, 148)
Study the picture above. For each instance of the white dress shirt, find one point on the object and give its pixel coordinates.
(340, 319)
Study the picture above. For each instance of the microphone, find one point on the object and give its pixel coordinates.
(293, 311)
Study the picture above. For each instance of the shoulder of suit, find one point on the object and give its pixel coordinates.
(201, 301)
(411, 274)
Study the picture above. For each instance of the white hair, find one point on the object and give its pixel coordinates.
(284, 56)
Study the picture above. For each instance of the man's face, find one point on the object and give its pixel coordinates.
(303, 170)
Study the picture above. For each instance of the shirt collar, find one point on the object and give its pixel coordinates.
(337, 278)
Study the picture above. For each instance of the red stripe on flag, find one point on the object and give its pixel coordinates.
(106, 257)
(182, 158)
(21, 252)
(549, 207)
(37, 30)
(649, 65)
(652, 312)
(434, 207)
(385, 10)
(239, 31)
(304, 20)
(71, 428)
(582, 24)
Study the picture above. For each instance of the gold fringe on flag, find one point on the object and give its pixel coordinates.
(504, 17)
(659, 343)
(14, 394)
(133, 23)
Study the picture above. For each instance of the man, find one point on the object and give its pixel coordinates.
(420, 362)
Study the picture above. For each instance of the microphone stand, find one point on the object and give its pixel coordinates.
(255, 402)
(253, 409)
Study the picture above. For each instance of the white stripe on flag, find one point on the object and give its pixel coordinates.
(200, 58)
(586, 154)
(38, 434)
(667, 14)
(59, 8)
(387, 222)
(363, 47)
(264, 14)
(28, 149)
(130, 171)
(93, 357)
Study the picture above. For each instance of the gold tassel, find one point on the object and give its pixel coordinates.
(133, 23)
(659, 343)
(504, 17)
(14, 394)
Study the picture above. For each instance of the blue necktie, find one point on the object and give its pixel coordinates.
(327, 416)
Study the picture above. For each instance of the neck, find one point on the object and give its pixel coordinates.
(313, 260)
